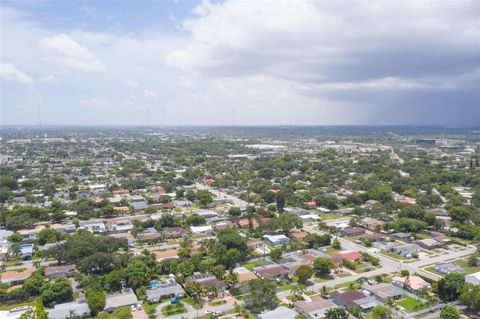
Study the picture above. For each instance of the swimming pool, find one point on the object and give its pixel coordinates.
(154, 284)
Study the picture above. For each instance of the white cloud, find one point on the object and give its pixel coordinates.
(150, 93)
(48, 79)
(9, 72)
(388, 83)
(71, 54)
(131, 82)
(97, 102)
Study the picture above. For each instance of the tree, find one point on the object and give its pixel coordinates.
(286, 222)
(261, 295)
(449, 287)
(449, 312)
(96, 300)
(470, 297)
(98, 263)
(34, 283)
(381, 312)
(47, 236)
(459, 214)
(336, 244)
(196, 290)
(303, 273)
(204, 197)
(59, 291)
(280, 199)
(195, 220)
(336, 313)
(234, 211)
(122, 313)
(322, 266)
(315, 240)
(276, 254)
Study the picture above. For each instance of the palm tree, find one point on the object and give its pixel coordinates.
(231, 279)
(197, 291)
(336, 313)
(324, 291)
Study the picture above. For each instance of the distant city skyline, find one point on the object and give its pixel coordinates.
(239, 63)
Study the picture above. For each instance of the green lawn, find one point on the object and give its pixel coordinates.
(217, 302)
(150, 307)
(468, 269)
(173, 309)
(352, 238)
(251, 264)
(393, 255)
(286, 287)
(329, 216)
(331, 250)
(411, 305)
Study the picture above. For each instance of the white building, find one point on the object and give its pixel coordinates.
(473, 279)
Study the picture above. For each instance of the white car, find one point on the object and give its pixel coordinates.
(133, 307)
(208, 311)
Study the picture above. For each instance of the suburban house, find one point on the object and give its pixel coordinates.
(65, 310)
(353, 299)
(175, 232)
(64, 228)
(121, 299)
(12, 277)
(119, 225)
(60, 271)
(243, 274)
(298, 236)
(411, 283)
(448, 268)
(26, 251)
(473, 279)
(384, 291)
(245, 223)
(352, 231)
(402, 236)
(271, 271)
(166, 254)
(149, 234)
(207, 280)
(280, 312)
(373, 237)
(93, 226)
(314, 307)
(201, 230)
(406, 250)
(428, 243)
(348, 255)
(372, 223)
(163, 291)
(276, 239)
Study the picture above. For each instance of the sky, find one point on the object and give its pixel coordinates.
(232, 62)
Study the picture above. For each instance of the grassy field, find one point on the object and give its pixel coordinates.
(173, 309)
(411, 305)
